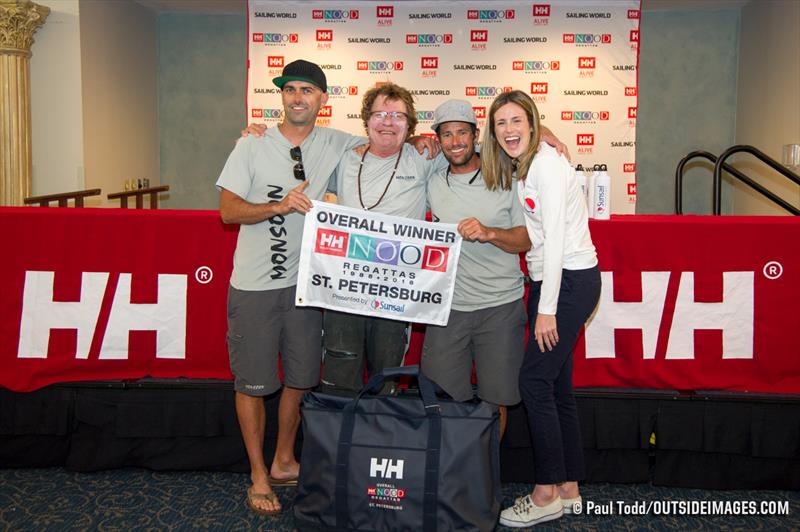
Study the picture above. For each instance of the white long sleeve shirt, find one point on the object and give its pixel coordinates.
(557, 223)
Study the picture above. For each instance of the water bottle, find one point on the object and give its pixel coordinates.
(590, 189)
(602, 193)
(580, 177)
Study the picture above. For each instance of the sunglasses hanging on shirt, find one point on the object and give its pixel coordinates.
(297, 156)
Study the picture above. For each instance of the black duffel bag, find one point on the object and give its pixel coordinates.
(392, 463)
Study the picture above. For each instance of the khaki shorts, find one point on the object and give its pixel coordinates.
(262, 324)
(494, 338)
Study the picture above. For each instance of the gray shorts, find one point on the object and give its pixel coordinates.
(260, 325)
(494, 338)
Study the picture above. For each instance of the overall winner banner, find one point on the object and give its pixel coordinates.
(377, 265)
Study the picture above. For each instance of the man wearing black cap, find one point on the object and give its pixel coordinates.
(487, 320)
(267, 186)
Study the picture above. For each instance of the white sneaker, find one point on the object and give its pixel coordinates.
(566, 503)
(524, 513)
(569, 503)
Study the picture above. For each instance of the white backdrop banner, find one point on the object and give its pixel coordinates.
(577, 59)
(377, 265)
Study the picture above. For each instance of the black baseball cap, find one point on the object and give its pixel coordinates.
(302, 70)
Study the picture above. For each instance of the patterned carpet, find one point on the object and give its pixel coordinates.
(135, 499)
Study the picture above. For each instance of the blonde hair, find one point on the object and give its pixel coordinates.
(496, 166)
(391, 91)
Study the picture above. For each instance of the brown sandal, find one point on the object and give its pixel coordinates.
(269, 497)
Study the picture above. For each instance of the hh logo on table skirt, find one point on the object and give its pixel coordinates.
(41, 314)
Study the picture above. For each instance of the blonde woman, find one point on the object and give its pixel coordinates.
(562, 264)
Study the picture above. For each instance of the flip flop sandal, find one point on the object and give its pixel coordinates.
(270, 497)
(282, 482)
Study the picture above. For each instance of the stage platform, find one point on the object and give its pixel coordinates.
(713, 441)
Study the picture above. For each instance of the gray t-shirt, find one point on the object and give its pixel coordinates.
(406, 193)
(487, 276)
(259, 170)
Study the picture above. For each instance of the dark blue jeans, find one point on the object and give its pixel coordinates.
(545, 380)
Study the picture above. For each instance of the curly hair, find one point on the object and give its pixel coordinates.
(391, 91)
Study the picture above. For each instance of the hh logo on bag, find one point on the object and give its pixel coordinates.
(386, 468)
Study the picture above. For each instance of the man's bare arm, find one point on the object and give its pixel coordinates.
(513, 240)
(235, 210)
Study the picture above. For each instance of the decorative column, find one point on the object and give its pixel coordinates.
(19, 19)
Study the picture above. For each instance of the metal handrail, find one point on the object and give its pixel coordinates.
(764, 158)
(733, 171)
(679, 175)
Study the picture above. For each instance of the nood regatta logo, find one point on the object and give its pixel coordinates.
(587, 39)
(269, 114)
(342, 90)
(379, 66)
(584, 116)
(486, 92)
(429, 39)
(334, 15)
(41, 314)
(425, 116)
(536, 66)
(276, 39)
(490, 15)
(380, 251)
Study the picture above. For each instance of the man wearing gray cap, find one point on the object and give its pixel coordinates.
(487, 320)
(267, 186)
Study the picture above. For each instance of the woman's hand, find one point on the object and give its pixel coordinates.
(545, 331)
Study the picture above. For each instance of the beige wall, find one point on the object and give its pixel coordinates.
(768, 103)
(118, 73)
(56, 102)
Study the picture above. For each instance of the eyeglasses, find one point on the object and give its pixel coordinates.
(297, 156)
(380, 116)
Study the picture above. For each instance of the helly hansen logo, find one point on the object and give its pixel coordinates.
(538, 88)
(275, 60)
(631, 112)
(668, 321)
(386, 468)
(429, 62)
(42, 313)
(384, 11)
(631, 91)
(586, 62)
(479, 35)
(586, 139)
(324, 35)
(332, 242)
(634, 35)
(541, 10)
(629, 167)
(480, 112)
